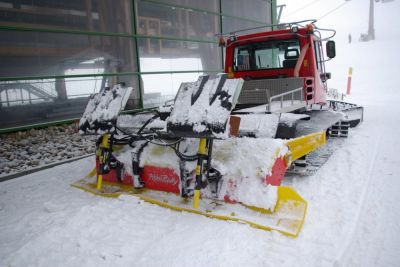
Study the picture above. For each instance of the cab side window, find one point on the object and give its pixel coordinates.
(242, 59)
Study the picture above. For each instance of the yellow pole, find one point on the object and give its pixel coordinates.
(203, 146)
(196, 199)
(202, 151)
(105, 143)
(99, 182)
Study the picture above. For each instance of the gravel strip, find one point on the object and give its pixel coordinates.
(30, 149)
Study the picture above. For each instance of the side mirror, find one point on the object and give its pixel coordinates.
(330, 49)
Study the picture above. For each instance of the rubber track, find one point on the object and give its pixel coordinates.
(317, 158)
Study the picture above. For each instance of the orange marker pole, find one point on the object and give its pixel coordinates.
(349, 80)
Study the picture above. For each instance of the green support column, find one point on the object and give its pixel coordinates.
(274, 18)
(139, 77)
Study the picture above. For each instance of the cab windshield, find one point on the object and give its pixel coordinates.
(274, 54)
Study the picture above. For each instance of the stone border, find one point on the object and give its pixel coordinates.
(40, 168)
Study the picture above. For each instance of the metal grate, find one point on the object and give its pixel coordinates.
(260, 91)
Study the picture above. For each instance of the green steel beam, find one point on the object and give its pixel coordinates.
(274, 11)
(23, 78)
(60, 122)
(200, 10)
(68, 31)
(110, 34)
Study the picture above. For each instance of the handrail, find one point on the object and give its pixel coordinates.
(292, 92)
(47, 87)
(279, 25)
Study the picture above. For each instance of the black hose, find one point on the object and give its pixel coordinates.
(148, 122)
(183, 156)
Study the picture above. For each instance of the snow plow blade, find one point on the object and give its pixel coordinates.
(287, 217)
(303, 145)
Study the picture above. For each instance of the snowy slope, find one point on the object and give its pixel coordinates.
(353, 214)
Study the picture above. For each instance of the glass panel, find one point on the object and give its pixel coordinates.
(159, 88)
(83, 87)
(27, 92)
(88, 15)
(54, 54)
(178, 56)
(40, 101)
(267, 55)
(233, 24)
(160, 20)
(209, 5)
(259, 10)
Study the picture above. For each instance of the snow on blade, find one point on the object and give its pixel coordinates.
(204, 106)
(102, 110)
(259, 125)
(244, 164)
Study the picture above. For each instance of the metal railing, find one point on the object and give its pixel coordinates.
(30, 91)
(281, 96)
(48, 88)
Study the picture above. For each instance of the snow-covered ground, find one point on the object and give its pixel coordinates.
(353, 214)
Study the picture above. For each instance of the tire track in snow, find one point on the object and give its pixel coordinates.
(342, 257)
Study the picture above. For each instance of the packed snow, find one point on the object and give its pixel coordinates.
(353, 200)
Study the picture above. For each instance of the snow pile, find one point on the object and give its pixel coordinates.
(205, 105)
(165, 157)
(133, 123)
(247, 157)
(127, 121)
(259, 125)
(290, 119)
(103, 108)
(244, 164)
